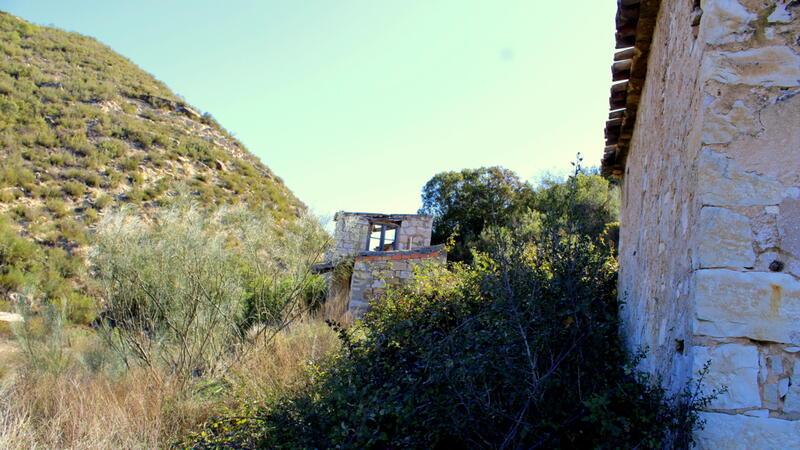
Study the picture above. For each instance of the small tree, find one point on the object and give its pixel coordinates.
(464, 203)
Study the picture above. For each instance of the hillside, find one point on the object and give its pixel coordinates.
(83, 130)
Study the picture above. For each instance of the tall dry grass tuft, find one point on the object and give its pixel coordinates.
(86, 409)
(273, 368)
(81, 410)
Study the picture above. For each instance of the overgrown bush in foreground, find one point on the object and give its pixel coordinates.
(183, 290)
(519, 350)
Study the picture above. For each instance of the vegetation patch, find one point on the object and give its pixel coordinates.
(519, 349)
(80, 124)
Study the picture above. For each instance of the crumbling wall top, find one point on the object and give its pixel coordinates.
(358, 232)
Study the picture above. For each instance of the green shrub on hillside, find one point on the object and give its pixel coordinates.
(74, 189)
(19, 258)
(80, 310)
(103, 201)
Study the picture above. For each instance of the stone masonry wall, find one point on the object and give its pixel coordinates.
(415, 232)
(350, 236)
(659, 209)
(746, 291)
(374, 272)
(710, 235)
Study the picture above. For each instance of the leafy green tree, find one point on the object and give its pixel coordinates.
(473, 203)
(464, 203)
(593, 204)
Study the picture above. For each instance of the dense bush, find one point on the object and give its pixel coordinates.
(183, 290)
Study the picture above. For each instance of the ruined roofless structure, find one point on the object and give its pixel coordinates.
(384, 249)
(704, 137)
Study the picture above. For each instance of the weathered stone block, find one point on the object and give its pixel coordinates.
(734, 431)
(721, 129)
(789, 226)
(724, 239)
(758, 305)
(721, 183)
(783, 387)
(772, 151)
(734, 366)
(775, 364)
(781, 14)
(764, 66)
(725, 21)
(791, 403)
(771, 396)
(765, 231)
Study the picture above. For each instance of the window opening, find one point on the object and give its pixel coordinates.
(382, 236)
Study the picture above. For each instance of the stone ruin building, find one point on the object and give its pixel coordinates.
(383, 249)
(704, 137)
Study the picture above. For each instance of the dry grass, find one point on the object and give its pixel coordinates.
(270, 370)
(80, 409)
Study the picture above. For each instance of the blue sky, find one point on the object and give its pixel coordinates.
(357, 103)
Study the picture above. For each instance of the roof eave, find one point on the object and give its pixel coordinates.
(636, 22)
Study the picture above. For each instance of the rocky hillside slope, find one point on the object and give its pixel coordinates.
(83, 130)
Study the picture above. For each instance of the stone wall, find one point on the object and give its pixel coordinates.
(350, 236)
(709, 241)
(415, 232)
(658, 207)
(374, 272)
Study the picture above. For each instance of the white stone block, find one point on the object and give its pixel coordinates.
(770, 399)
(763, 373)
(735, 431)
(758, 305)
(722, 183)
(789, 226)
(796, 373)
(725, 21)
(791, 404)
(733, 366)
(775, 364)
(724, 239)
(721, 129)
(782, 13)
